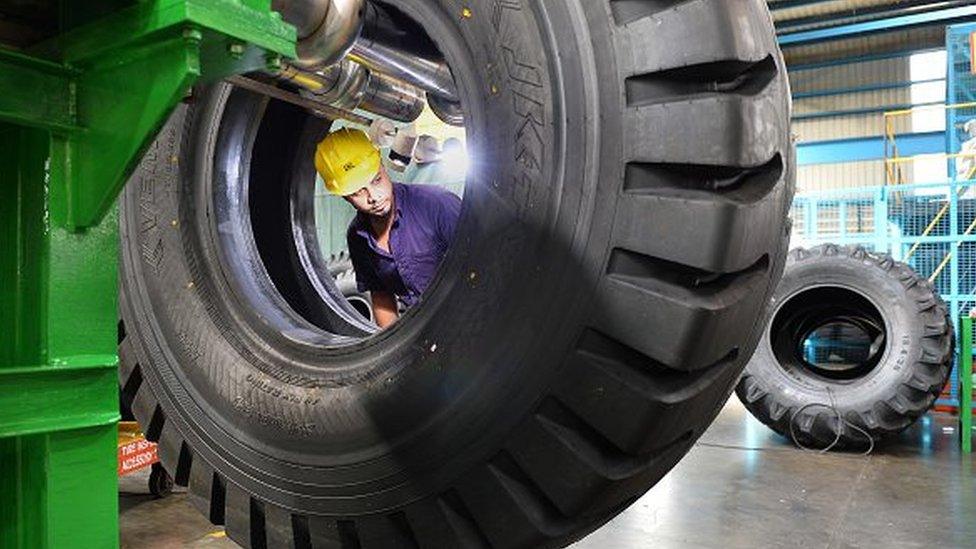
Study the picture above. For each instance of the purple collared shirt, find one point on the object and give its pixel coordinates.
(423, 228)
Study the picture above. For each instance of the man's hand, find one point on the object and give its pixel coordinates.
(384, 309)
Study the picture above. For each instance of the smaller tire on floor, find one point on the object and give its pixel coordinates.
(852, 335)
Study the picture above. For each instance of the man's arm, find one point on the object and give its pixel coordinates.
(384, 303)
(384, 309)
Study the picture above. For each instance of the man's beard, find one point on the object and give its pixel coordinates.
(378, 219)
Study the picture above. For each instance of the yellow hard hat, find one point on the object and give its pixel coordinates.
(347, 161)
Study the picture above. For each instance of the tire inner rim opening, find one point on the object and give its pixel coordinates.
(829, 332)
(279, 234)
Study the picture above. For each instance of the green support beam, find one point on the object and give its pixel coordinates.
(966, 384)
(91, 167)
(132, 67)
(42, 96)
(58, 379)
(76, 114)
(60, 489)
(79, 391)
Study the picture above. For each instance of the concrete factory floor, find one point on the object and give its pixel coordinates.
(741, 486)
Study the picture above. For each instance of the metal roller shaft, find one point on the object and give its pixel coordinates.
(326, 28)
(394, 99)
(386, 45)
(351, 86)
(432, 76)
(392, 79)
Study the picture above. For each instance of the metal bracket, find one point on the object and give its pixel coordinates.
(108, 87)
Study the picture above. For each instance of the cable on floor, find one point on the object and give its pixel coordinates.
(832, 407)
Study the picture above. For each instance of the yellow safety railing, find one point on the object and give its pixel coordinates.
(893, 159)
(894, 175)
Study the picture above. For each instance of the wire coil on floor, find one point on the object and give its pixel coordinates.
(840, 421)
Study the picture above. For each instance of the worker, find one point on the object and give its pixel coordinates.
(382, 133)
(400, 234)
(428, 151)
(966, 162)
(426, 166)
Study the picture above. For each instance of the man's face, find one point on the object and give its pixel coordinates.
(375, 199)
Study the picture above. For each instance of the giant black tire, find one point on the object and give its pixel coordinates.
(883, 391)
(620, 233)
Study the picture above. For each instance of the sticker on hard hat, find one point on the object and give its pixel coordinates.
(348, 166)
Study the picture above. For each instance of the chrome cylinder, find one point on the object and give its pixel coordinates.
(447, 111)
(429, 75)
(349, 86)
(392, 98)
(332, 32)
(326, 28)
(305, 15)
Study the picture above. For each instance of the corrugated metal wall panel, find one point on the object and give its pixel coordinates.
(820, 177)
(852, 76)
(848, 75)
(827, 129)
(875, 99)
(827, 7)
(913, 39)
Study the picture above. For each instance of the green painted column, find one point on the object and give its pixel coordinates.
(60, 489)
(76, 112)
(58, 388)
(966, 384)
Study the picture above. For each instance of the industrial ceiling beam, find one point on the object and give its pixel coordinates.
(852, 15)
(862, 149)
(885, 24)
(780, 5)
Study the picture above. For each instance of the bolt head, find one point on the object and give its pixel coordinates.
(236, 50)
(273, 62)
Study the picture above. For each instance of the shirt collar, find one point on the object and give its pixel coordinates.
(399, 196)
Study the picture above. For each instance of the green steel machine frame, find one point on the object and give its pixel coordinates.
(965, 374)
(77, 110)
